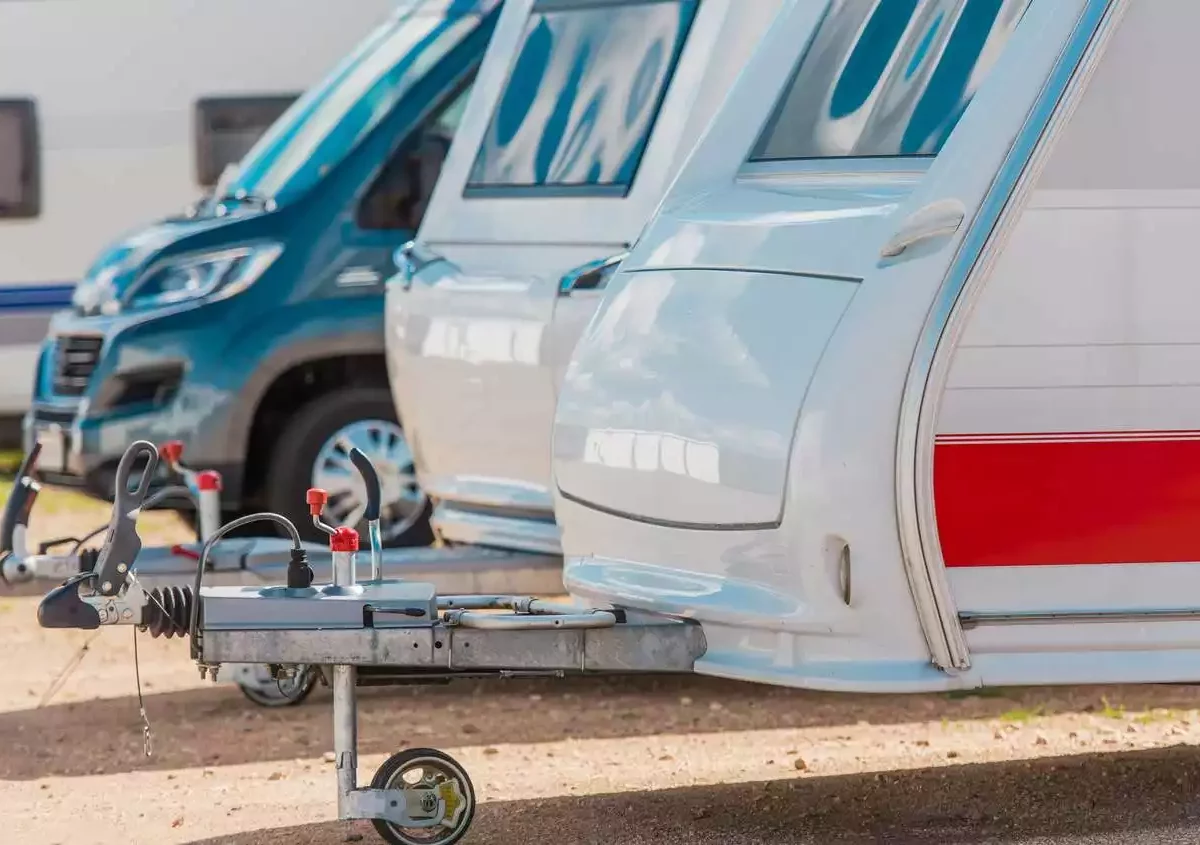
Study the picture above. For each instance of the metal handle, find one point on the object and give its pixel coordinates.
(936, 220)
(371, 478)
(122, 543)
(20, 501)
(29, 462)
(125, 499)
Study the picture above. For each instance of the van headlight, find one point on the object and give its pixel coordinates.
(214, 275)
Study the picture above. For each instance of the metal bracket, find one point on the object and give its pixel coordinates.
(416, 807)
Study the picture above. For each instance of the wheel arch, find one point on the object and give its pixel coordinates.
(288, 379)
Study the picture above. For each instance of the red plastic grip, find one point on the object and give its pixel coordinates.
(316, 498)
(171, 451)
(208, 479)
(343, 539)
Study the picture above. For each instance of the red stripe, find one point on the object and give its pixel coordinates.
(1024, 502)
(1068, 435)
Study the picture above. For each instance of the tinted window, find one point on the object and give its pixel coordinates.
(400, 194)
(583, 94)
(227, 127)
(887, 77)
(19, 189)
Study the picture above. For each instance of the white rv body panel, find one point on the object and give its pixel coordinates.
(479, 341)
(114, 85)
(988, 475)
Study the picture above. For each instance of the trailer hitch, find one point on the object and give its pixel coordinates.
(394, 630)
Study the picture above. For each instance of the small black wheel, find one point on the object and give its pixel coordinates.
(287, 692)
(428, 769)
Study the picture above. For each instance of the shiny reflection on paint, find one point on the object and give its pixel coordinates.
(484, 341)
(683, 397)
(667, 590)
(582, 95)
(650, 451)
(331, 118)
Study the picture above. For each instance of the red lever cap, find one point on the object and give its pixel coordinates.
(316, 498)
(171, 451)
(208, 479)
(343, 539)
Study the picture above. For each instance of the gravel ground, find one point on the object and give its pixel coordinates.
(670, 761)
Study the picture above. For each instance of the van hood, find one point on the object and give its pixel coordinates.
(120, 263)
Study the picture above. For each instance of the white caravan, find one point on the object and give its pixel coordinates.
(582, 115)
(901, 388)
(114, 113)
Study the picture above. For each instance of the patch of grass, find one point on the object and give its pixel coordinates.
(10, 459)
(1021, 715)
(1108, 711)
(1159, 715)
(52, 500)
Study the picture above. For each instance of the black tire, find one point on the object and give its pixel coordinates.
(295, 452)
(389, 771)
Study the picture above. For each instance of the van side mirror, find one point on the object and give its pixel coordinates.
(591, 276)
(410, 260)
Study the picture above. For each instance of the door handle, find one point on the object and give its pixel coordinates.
(936, 220)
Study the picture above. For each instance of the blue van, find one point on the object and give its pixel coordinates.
(251, 327)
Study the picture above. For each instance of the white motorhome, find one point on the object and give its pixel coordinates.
(899, 391)
(582, 115)
(114, 113)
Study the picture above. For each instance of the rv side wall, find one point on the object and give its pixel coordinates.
(113, 87)
(1069, 434)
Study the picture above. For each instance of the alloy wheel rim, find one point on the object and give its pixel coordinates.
(385, 444)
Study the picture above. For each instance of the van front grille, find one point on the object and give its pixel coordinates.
(75, 359)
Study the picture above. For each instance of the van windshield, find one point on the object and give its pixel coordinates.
(329, 120)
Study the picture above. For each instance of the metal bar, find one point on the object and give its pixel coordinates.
(345, 735)
(472, 602)
(343, 569)
(376, 551)
(527, 621)
(662, 645)
(1161, 614)
(210, 512)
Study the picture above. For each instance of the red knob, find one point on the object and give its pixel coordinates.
(208, 479)
(316, 498)
(171, 451)
(343, 539)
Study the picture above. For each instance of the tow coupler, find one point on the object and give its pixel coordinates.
(375, 631)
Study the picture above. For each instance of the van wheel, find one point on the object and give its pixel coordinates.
(313, 450)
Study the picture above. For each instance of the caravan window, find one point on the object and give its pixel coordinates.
(227, 127)
(19, 161)
(885, 78)
(581, 97)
